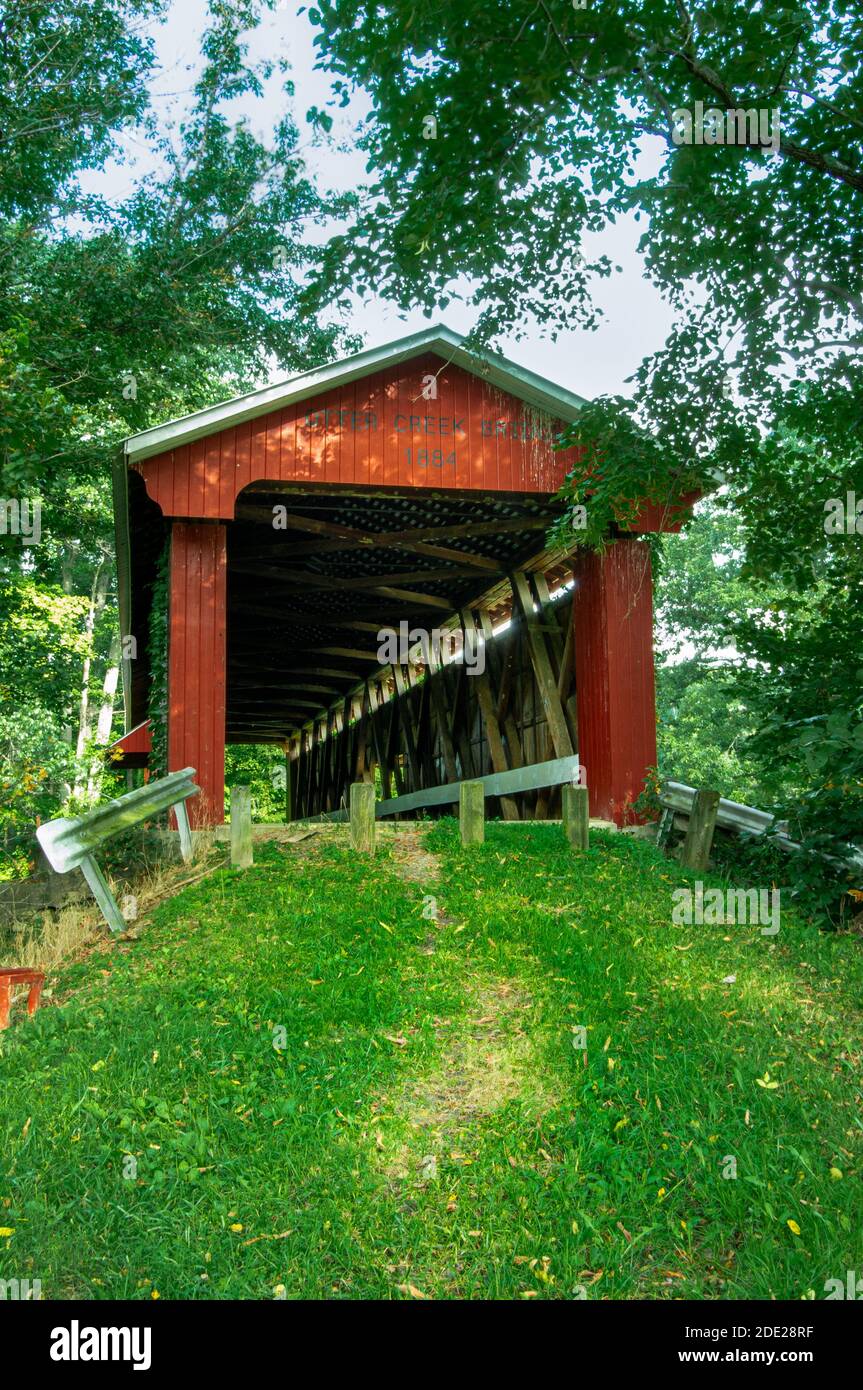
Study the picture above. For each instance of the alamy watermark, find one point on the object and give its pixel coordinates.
(851, 1289)
(731, 127)
(77, 1343)
(844, 518)
(438, 645)
(733, 907)
(21, 518)
(20, 1290)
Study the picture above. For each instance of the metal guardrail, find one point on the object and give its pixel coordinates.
(69, 842)
(555, 773)
(677, 798)
(732, 815)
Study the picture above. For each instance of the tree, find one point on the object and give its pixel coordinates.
(500, 135)
(539, 113)
(184, 294)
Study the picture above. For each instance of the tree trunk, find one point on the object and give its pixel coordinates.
(106, 715)
(98, 597)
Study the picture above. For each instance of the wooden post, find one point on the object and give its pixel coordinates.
(289, 809)
(472, 813)
(576, 816)
(699, 833)
(363, 817)
(612, 617)
(241, 828)
(196, 661)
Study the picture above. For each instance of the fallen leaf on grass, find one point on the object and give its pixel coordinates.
(399, 1042)
(281, 1236)
(413, 1291)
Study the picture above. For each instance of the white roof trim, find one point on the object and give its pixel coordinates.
(506, 375)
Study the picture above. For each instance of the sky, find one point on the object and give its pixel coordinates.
(636, 320)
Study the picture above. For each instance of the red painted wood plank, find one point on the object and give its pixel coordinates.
(325, 439)
(213, 467)
(224, 497)
(377, 404)
(472, 446)
(391, 439)
(137, 740)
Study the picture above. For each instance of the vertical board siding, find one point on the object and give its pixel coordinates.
(612, 613)
(196, 663)
(202, 479)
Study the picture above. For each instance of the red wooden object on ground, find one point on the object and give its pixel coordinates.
(13, 976)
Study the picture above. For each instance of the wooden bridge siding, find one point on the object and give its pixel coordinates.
(196, 663)
(337, 755)
(202, 479)
(613, 633)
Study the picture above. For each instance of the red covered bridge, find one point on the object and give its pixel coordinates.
(414, 484)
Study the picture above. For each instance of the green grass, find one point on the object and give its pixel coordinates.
(556, 1171)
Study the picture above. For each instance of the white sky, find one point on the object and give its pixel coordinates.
(636, 320)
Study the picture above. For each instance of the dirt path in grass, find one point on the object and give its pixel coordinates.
(413, 861)
(489, 1056)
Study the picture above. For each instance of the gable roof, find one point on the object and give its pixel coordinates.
(508, 376)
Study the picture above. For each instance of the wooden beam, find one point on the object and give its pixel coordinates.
(460, 721)
(351, 535)
(406, 720)
(489, 715)
(410, 596)
(437, 696)
(248, 681)
(350, 653)
(502, 667)
(335, 672)
(434, 552)
(309, 580)
(244, 701)
(375, 620)
(542, 669)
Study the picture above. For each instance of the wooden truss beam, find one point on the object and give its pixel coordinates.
(488, 710)
(307, 580)
(546, 679)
